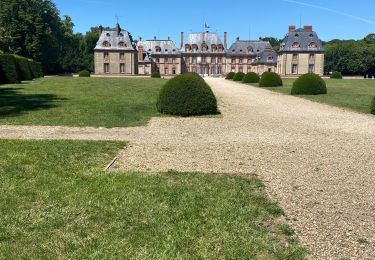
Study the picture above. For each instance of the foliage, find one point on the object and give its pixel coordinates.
(238, 76)
(336, 75)
(350, 57)
(309, 84)
(73, 101)
(8, 68)
(270, 79)
(155, 74)
(251, 77)
(372, 109)
(275, 42)
(186, 95)
(36, 69)
(84, 73)
(230, 75)
(23, 68)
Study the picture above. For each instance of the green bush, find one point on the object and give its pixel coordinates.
(373, 106)
(230, 75)
(23, 68)
(187, 95)
(270, 79)
(9, 68)
(36, 69)
(84, 74)
(251, 77)
(336, 75)
(238, 76)
(155, 74)
(309, 84)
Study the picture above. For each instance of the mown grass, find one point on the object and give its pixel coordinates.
(107, 102)
(57, 202)
(354, 94)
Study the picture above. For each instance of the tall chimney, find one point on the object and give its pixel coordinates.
(182, 40)
(308, 28)
(100, 30)
(292, 28)
(169, 38)
(225, 40)
(140, 53)
(238, 38)
(118, 29)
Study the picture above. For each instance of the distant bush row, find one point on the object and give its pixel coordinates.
(268, 79)
(14, 69)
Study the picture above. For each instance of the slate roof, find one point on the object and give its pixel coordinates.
(263, 57)
(114, 39)
(198, 38)
(304, 38)
(243, 47)
(166, 46)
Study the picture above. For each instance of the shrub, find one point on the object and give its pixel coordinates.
(238, 76)
(155, 74)
(9, 68)
(84, 74)
(36, 69)
(270, 79)
(251, 77)
(187, 95)
(23, 68)
(336, 75)
(373, 106)
(309, 84)
(230, 75)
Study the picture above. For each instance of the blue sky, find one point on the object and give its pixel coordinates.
(342, 19)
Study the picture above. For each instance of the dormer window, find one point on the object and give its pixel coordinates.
(157, 49)
(312, 45)
(166, 50)
(187, 47)
(270, 58)
(295, 45)
(249, 50)
(204, 47)
(174, 50)
(108, 35)
(241, 50)
(213, 47)
(296, 35)
(121, 35)
(106, 44)
(311, 35)
(149, 49)
(233, 50)
(122, 44)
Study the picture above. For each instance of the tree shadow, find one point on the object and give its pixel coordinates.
(13, 103)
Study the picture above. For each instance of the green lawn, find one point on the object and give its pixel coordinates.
(57, 202)
(350, 93)
(107, 102)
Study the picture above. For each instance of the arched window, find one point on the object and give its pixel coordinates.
(157, 49)
(121, 35)
(204, 47)
(249, 50)
(121, 44)
(195, 47)
(108, 35)
(106, 44)
(312, 45)
(270, 58)
(311, 35)
(187, 47)
(295, 45)
(296, 35)
(213, 47)
(220, 47)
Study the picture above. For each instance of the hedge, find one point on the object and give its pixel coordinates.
(36, 69)
(336, 75)
(270, 79)
(186, 95)
(309, 84)
(238, 76)
(251, 77)
(9, 68)
(373, 106)
(84, 74)
(155, 74)
(230, 75)
(23, 68)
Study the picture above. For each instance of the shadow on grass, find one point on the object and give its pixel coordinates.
(13, 103)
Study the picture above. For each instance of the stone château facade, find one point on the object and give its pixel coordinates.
(116, 53)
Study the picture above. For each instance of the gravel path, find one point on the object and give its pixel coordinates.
(317, 161)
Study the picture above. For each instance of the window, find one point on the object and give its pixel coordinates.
(312, 45)
(121, 35)
(296, 35)
(249, 50)
(233, 69)
(204, 47)
(295, 56)
(166, 60)
(166, 71)
(249, 61)
(240, 61)
(106, 55)
(219, 70)
(173, 60)
(122, 67)
(122, 44)
(295, 45)
(106, 44)
(203, 60)
(270, 58)
(213, 70)
(294, 69)
(108, 35)
(106, 67)
(173, 71)
(213, 60)
(233, 60)
(157, 49)
(311, 68)
(122, 55)
(219, 59)
(311, 56)
(193, 60)
(240, 69)
(157, 60)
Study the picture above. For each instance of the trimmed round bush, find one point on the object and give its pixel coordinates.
(187, 95)
(270, 79)
(373, 106)
(309, 84)
(155, 74)
(251, 77)
(336, 75)
(238, 76)
(230, 75)
(84, 74)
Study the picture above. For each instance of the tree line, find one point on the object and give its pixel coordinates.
(34, 29)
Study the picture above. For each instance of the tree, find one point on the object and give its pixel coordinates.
(275, 42)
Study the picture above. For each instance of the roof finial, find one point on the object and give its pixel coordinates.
(116, 16)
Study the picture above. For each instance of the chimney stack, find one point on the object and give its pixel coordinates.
(154, 38)
(308, 28)
(100, 30)
(182, 40)
(118, 29)
(238, 38)
(225, 40)
(140, 53)
(169, 38)
(292, 28)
